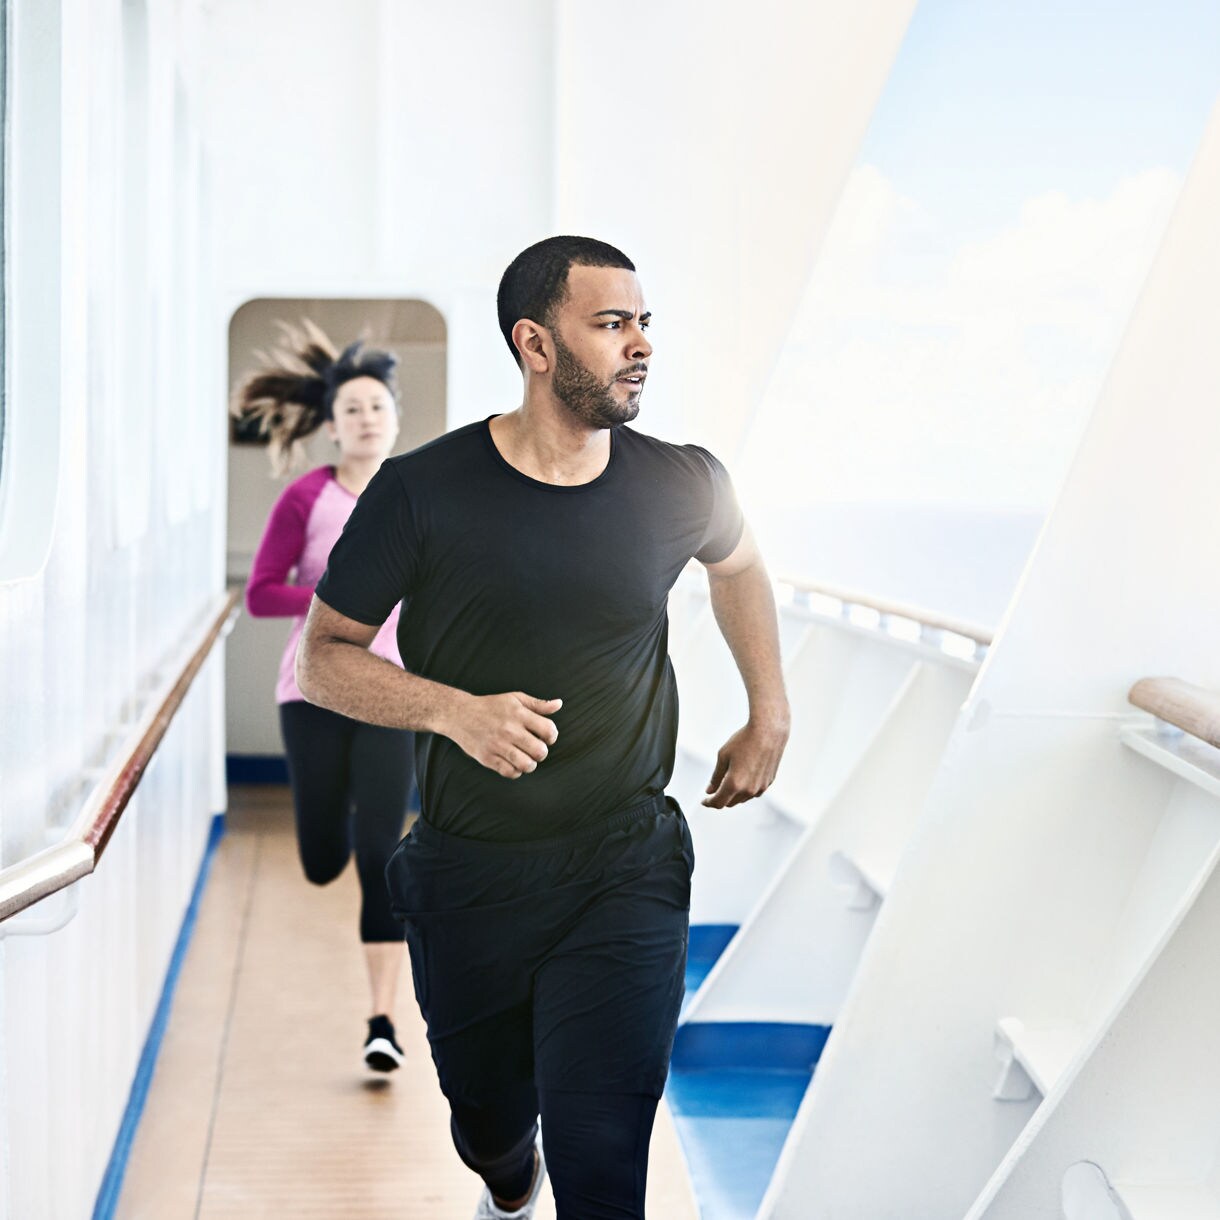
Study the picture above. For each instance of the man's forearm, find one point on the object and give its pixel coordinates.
(347, 678)
(744, 606)
(509, 733)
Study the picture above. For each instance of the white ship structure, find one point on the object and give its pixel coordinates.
(959, 963)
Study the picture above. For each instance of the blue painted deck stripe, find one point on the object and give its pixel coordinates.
(273, 769)
(708, 941)
(255, 769)
(754, 1045)
(112, 1182)
(734, 1089)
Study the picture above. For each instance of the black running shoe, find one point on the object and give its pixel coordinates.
(381, 1051)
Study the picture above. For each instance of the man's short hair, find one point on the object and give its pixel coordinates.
(536, 281)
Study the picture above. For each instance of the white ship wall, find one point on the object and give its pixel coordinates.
(412, 149)
(384, 148)
(111, 534)
(172, 159)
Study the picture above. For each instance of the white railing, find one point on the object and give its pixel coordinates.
(890, 615)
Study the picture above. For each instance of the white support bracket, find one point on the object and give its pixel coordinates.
(1086, 1194)
(1032, 1060)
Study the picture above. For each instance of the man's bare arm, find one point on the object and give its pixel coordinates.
(744, 606)
(507, 733)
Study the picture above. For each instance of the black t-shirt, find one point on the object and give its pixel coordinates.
(561, 592)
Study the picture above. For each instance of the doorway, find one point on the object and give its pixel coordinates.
(416, 333)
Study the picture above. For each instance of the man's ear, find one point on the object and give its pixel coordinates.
(533, 342)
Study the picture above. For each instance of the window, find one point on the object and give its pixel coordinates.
(29, 473)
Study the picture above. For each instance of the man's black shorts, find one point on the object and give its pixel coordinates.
(558, 962)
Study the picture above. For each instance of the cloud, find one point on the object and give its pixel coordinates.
(926, 367)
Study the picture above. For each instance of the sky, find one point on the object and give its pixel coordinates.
(989, 248)
(991, 103)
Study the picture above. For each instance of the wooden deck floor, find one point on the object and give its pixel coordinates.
(261, 1105)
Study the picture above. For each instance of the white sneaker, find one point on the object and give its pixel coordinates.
(487, 1206)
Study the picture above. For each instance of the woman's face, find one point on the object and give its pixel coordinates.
(365, 423)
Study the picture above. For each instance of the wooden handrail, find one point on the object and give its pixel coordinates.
(77, 854)
(926, 618)
(1190, 708)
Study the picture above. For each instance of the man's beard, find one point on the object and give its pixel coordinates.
(590, 401)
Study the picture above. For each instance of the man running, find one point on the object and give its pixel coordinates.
(546, 888)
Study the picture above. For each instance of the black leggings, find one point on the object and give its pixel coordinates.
(596, 1147)
(350, 787)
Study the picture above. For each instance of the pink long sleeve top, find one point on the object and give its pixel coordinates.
(304, 524)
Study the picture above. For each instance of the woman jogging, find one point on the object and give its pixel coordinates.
(350, 781)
